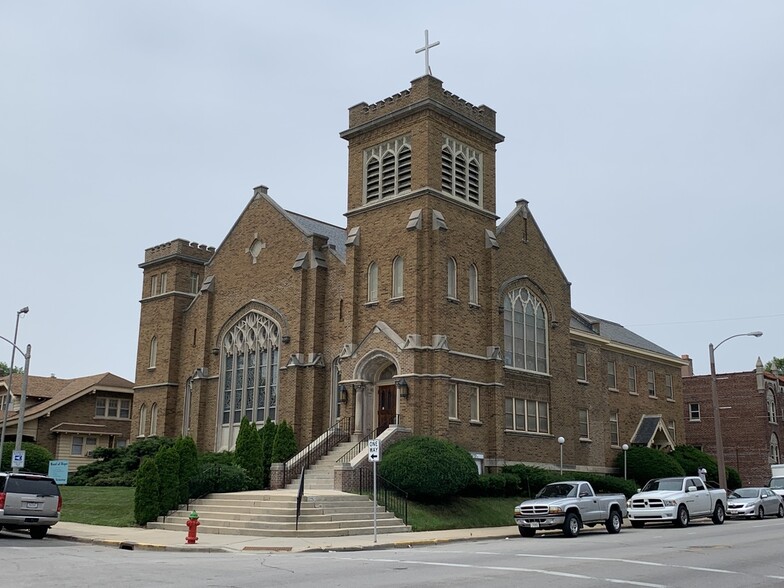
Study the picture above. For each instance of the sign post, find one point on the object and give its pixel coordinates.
(17, 459)
(374, 455)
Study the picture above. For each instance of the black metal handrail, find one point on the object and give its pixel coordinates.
(359, 447)
(337, 433)
(391, 497)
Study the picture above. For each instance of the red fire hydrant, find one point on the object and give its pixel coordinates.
(193, 522)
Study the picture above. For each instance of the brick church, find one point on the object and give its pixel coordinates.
(425, 312)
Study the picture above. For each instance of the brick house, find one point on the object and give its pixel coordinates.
(424, 313)
(71, 417)
(751, 406)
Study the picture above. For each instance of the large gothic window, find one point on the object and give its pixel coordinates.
(525, 331)
(250, 370)
(387, 169)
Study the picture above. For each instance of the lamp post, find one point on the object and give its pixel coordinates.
(19, 313)
(715, 400)
(625, 448)
(561, 442)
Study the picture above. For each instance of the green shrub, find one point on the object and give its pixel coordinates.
(610, 484)
(495, 485)
(118, 464)
(146, 503)
(168, 462)
(532, 478)
(428, 469)
(189, 465)
(248, 453)
(285, 445)
(217, 477)
(37, 458)
(267, 434)
(645, 463)
(692, 458)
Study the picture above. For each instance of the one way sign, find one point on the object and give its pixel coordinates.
(374, 450)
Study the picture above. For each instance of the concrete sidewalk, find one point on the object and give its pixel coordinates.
(159, 540)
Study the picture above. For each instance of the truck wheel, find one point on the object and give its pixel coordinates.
(38, 532)
(682, 520)
(526, 532)
(718, 513)
(761, 513)
(780, 512)
(638, 524)
(571, 526)
(614, 523)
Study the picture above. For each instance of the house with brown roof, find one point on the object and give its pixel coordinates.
(70, 417)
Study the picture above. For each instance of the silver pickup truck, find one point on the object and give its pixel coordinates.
(569, 506)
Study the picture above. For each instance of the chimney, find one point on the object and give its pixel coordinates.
(687, 370)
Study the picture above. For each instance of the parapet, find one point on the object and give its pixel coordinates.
(179, 248)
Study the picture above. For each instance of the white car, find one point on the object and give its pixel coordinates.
(754, 502)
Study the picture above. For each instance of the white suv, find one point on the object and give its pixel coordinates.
(29, 501)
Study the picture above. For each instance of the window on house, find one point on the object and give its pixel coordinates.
(651, 383)
(154, 419)
(451, 278)
(771, 407)
(153, 351)
(387, 169)
(163, 282)
(250, 370)
(582, 414)
(77, 446)
(474, 399)
(89, 445)
(195, 278)
(612, 380)
(582, 369)
(461, 171)
(397, 277)
(775, 455)
(525, 331)
(453, 401)
(668, 385)
(632, 379)
(112, 408)
(529, 416)
(671, 429)
(473, 285)
(694, 411)
(614, 437)
(372, 282)
(142, 419)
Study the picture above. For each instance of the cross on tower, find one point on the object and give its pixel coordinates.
(428, 46)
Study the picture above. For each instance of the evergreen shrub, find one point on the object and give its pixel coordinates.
(146, 503)
(645, 463)
(285, 445)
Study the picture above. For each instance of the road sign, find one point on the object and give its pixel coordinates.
(18, 459)
(374, 450)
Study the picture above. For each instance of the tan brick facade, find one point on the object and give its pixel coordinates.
(311, 280)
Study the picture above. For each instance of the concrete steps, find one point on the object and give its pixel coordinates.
(321, 475)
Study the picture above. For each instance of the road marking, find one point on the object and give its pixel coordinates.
(628, 561)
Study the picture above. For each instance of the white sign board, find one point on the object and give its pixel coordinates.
(374, 450)
(17, 458)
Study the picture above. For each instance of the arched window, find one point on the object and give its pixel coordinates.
(397, 277)
(473, 285)
(249, 373)
(775, 456)
(771, 407)
(461, 171)
(153, 351)
(451, 278)
(154, 419)
(372, 282)
(525, 331)
(388, 169)
(142, 419)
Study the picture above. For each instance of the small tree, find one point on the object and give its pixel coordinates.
(146, 498)
(168, 462)
(249, 454)
(189, 464)
(285, 444)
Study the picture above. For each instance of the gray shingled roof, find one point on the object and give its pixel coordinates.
(615, 332)
(646, 430)
(335, 235)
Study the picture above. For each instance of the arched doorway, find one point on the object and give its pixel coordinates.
(386, 399)
(376, 397)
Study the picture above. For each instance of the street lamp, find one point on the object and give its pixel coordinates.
(561, 442)
(19, 313)
(715, 400)
(625, 448)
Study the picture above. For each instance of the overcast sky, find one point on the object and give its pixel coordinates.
(648, 137)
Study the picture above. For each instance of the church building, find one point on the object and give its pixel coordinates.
(427, 311)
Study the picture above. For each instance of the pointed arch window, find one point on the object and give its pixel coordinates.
(771, 407)
(154, 419)
(142, 419)
(473, 285)
(397, 277)
(451, 278)
(387, 169)
(775, 455)
(461, 171)
(525, 331)
(372, 282)
(153, 352)
(250, 370)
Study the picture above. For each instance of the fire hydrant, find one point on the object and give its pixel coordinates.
(192, 522)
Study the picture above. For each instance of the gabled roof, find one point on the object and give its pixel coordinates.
(335, 235)
(651, 431)
(614, 332)
(37, 386)
(69, 390)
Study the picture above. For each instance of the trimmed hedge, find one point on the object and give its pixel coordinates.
(533, 479)
(146, 498)
(692, 458)
(645, 463)
(37, 458)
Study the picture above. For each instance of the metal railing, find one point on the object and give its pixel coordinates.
(337, 433)
(392, 498)
(360, 446)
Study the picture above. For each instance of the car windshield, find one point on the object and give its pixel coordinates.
(558, 491)
(663, 484)
(745, 493)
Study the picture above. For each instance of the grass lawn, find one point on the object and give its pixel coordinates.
(111, 506)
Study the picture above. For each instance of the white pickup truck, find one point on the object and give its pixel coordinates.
(677, 500)
(568, 506)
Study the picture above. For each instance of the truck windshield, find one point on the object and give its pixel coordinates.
(558, 491)
(663, 484)
(777, 483)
